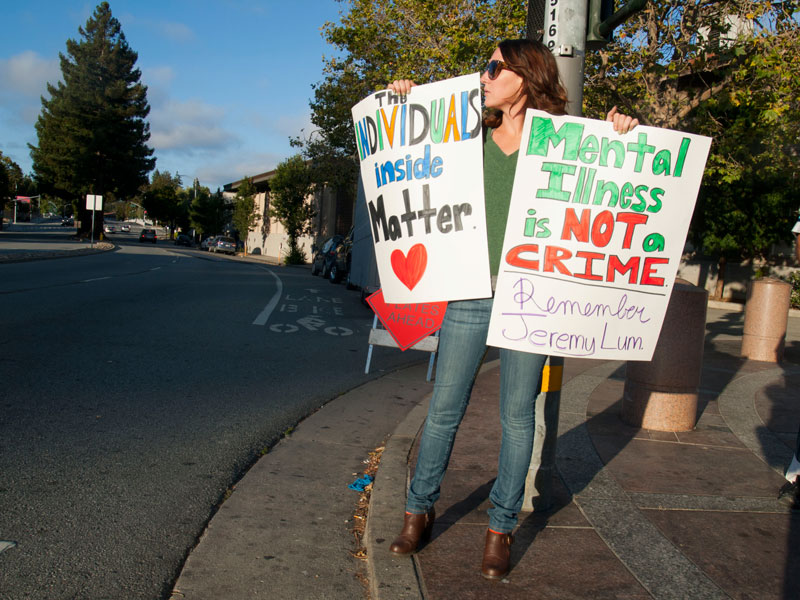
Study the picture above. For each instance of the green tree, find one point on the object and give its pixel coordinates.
(289, 189)
(92, 131)
(5, 188)
(165, 200)
(244, 208)
(17, 183)
(13, 182)
(721, 68)
(748, 201)
(382, 40)
(208, 212)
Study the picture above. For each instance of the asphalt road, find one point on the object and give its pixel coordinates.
(136, 387)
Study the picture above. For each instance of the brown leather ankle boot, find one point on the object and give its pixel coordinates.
(496, 554)
(416, 528)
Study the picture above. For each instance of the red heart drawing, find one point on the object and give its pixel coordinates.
(409, 269)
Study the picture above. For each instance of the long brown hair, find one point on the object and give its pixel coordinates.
(541, 85)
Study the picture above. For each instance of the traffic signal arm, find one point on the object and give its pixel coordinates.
(603, 21)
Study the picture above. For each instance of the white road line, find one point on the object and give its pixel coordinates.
(262, 318)
(95, 279)
(7, 545)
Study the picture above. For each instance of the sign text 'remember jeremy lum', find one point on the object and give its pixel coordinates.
(595, 232)
(422, 168)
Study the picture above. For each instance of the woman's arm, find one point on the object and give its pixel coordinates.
(622, 123)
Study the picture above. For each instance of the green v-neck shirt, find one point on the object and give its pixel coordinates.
(498, 181)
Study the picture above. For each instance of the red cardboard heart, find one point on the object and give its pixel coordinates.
(409, 269)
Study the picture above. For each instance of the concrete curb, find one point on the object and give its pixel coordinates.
(392, 576)
(45, 255)
(289, 507)
(395, 577)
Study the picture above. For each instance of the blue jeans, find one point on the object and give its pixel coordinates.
(462, 347)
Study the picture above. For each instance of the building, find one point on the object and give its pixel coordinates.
(334, 215)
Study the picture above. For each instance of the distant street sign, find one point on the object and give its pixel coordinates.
(94, 202)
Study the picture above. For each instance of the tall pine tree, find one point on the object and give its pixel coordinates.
(92, 130)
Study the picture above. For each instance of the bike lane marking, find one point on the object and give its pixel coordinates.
(263, 317)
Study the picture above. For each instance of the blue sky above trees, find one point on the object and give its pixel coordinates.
(229, 80)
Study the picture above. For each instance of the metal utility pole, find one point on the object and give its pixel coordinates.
(567, 27)
(565, 34)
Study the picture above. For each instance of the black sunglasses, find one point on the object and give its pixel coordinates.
(495, 66)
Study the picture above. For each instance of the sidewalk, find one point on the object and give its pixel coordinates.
(17, 245)
(639, 514)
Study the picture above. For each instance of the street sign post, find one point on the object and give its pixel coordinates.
(93, 203)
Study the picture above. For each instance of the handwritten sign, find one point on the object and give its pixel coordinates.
(408, 323)
(422, 167)
(595, 232)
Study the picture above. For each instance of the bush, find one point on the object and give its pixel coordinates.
(295, 256)
(794, 279)
(761, 272)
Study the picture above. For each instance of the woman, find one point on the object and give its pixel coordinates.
(521, 74)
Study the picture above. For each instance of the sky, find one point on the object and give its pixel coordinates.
(229, 81)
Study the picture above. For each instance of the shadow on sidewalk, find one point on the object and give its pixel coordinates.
(779, 409)
(601, 438)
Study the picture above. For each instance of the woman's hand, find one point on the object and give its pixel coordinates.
(401, 86)
(622, 123)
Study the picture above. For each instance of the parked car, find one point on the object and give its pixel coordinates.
(208, 242)
(226, 245)
(183, 240)
(67, 222)
(325, 255)
(148, 235)
(109, 229)
(340, 266)
(125, 227)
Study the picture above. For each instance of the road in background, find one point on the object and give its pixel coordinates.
(136, 386)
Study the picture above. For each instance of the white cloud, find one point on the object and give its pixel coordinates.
(282, 128)
(188, 127)
(173, 30)
(292, 125)
(27, 74)
(158, 80)
(177, 32)
(159, 75)
(234, 169)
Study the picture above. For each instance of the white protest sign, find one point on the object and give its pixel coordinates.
(595, 233)
(422, 167)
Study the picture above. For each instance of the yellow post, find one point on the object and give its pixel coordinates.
(539, 483)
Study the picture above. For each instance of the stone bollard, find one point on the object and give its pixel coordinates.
(662, 393)
(766, 315)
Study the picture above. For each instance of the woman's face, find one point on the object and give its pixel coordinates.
(502, 91)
